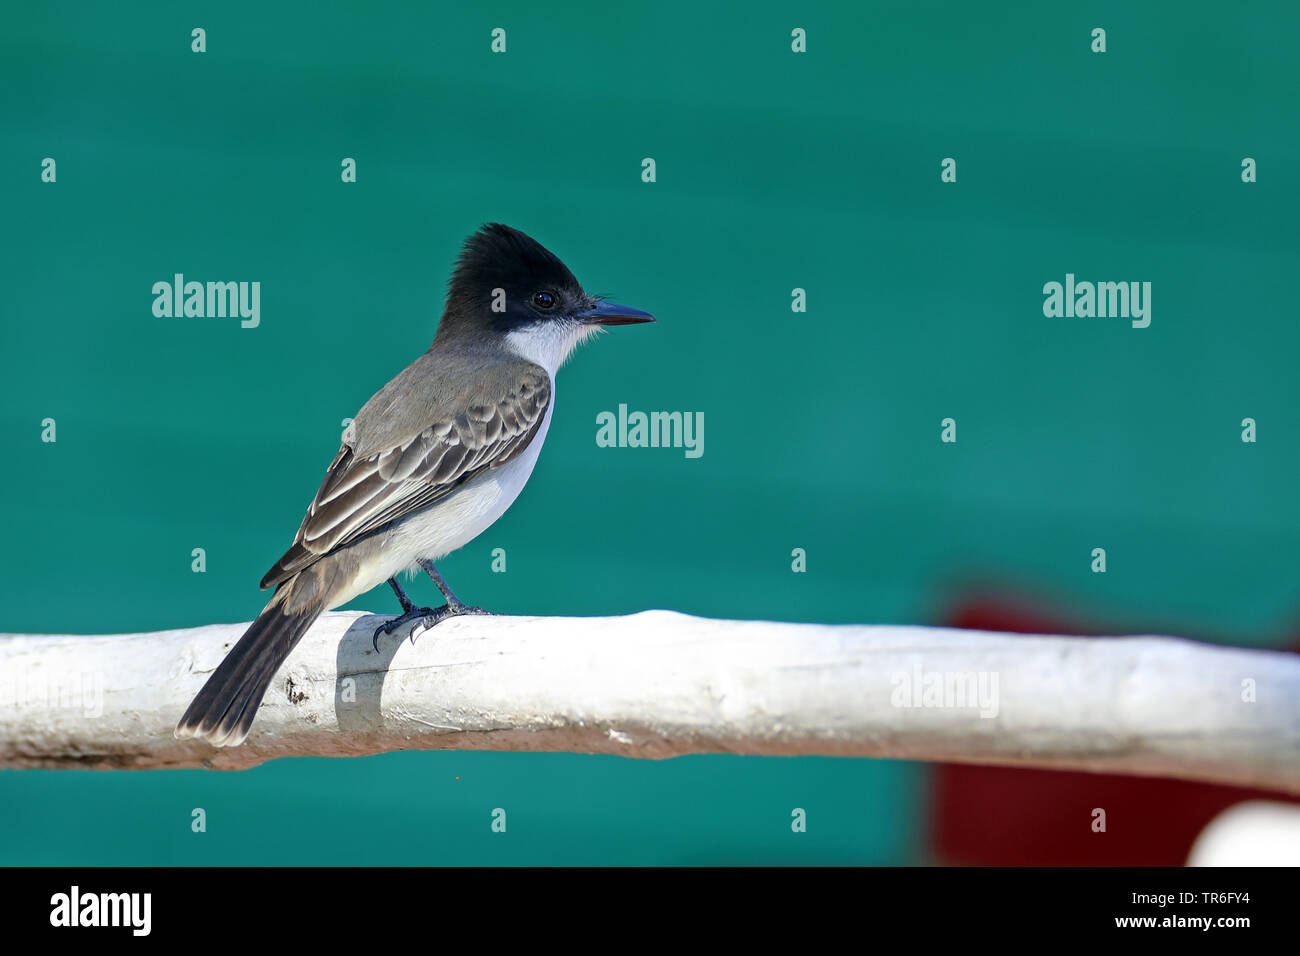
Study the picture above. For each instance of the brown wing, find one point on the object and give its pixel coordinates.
(363, 495)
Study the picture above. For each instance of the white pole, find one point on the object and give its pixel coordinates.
(660, 684)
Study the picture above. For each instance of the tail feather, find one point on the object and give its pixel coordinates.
(223, 711)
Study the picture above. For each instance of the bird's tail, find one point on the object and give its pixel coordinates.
(223, 710)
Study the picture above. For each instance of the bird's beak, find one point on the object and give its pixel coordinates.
(611, 313)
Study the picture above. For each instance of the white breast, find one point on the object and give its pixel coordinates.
(455, 520)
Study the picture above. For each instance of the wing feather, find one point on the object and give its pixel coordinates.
(359, 496)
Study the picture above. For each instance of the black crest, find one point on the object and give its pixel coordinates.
(499, 257)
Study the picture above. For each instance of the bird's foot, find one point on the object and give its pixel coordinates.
(456, 610)
(413, 614)
(438, 615)
(429, 617)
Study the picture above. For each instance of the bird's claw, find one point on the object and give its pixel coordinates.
(429, 617)
(388, 627)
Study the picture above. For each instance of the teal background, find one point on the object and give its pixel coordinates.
(775, 171)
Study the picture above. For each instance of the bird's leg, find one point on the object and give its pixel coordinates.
(455, 606)
(423, 615)
(401, 595)
(409, 613)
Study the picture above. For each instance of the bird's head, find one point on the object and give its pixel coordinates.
(508, 286)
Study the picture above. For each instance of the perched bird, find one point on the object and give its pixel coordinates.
(430, 461)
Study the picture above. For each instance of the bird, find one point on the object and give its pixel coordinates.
(428, 463)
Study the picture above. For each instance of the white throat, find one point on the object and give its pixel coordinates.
(549, 344)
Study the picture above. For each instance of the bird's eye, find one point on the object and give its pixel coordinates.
(545, 301)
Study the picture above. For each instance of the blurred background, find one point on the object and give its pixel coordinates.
(775, 170)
